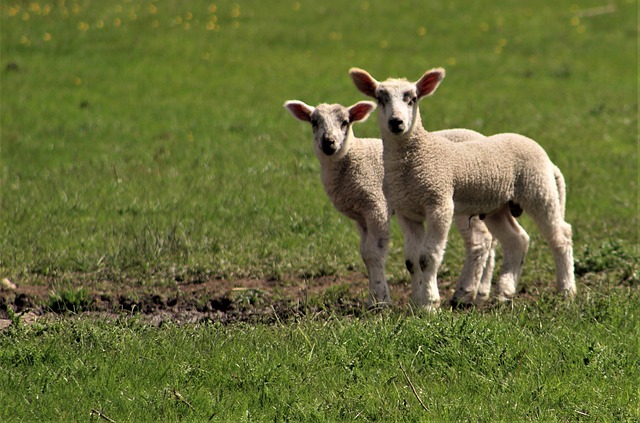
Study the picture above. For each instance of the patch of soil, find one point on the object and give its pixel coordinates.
(199, 298)
(194, 299)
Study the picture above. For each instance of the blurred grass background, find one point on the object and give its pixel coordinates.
(146, 138)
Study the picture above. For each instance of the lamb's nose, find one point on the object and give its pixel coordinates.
(396, 125)
(328, 146)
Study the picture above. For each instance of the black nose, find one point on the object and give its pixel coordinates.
(328, 146)
(396, 125)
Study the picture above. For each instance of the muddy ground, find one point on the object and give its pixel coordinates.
(191, 300)
(196, 299)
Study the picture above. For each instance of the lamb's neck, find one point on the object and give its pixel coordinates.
(399, 145)
(333, 167)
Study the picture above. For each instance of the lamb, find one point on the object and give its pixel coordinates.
(352, 175)
(430, 179)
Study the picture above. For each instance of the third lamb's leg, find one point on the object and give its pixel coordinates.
(515, 243)
(374, 245)
(478, 264)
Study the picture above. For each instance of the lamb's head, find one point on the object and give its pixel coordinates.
(331, 124)
(398, 98)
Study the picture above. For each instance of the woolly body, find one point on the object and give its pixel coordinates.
(430, 179)
(352, 174)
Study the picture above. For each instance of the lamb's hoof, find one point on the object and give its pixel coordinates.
(481, 299)
(463, 299)
(429, 307)
(568, 294)
(502, 300)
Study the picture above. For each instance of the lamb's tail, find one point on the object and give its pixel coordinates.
(562, 188)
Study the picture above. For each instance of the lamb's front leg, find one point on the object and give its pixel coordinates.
(413, 234)
(374, 245)
(423, 255)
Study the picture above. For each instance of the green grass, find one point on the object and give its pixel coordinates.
(135, 140)
(542, 362)
(146, 139)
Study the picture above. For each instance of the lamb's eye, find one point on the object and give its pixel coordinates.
(379, 100)
(409, 99)
(344, 125)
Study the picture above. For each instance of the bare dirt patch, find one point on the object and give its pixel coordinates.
(191, 299)
(198, 298)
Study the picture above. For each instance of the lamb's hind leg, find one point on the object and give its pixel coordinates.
(515, 243)
(374, 244)
(558, 234)
(474, 283)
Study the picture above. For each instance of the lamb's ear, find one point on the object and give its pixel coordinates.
(364, 82)
(361, 111)
(429, 82)
(299, 110)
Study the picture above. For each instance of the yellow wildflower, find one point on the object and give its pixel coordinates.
(235, 12)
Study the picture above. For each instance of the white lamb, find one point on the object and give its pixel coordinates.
(430, 179)
(352, 175)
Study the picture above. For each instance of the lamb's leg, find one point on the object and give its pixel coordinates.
(515, 242)
(374, 244)
(487, 275)
(557, 232)
(478, 265)
(423, 255)
(413, 234)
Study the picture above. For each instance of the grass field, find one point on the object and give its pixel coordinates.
(143, 144)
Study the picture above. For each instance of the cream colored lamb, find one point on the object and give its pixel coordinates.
(430, 179)
(352, 175)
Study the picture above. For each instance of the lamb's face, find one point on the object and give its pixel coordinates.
(397, 98)
(398, 106)
(331, 127)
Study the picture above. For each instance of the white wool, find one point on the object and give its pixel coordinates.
(429, 179)
(352, 176)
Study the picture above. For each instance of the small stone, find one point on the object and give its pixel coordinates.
(7, 285)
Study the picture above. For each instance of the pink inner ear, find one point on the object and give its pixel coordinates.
(359, 111)
(299, 111)
(429, 82)
(364, 82)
